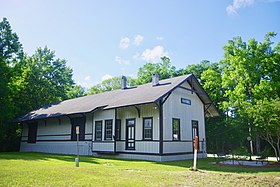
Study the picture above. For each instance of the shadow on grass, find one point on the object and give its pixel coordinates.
(207, 164)
(210, 164)
(44, 156)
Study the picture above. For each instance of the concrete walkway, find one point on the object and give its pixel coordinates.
(254, 158)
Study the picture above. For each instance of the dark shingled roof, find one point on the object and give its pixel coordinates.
(119, 98)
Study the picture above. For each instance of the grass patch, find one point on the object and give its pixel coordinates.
(39, 169)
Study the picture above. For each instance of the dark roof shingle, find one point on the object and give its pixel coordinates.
(113, 99)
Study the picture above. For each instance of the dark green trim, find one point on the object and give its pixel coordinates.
(160, 127)
(86, 140)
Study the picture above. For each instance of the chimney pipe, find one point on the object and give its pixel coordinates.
(123, 84)
(155, 79)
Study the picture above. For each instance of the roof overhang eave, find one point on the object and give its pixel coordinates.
(43, 117)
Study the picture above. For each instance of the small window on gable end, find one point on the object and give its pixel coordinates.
(108, 129)
(176, 129)
(147, 128)
(32, 132)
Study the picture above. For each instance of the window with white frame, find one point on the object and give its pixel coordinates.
(148, 128)
(98, 130)
(108, 129)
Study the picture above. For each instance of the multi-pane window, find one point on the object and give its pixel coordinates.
(108, 129)
(98, 130)
(176, 129)
(147, 128)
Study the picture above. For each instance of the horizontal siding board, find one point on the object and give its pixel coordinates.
(103, 146)
(66, 147)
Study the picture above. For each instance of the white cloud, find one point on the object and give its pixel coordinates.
(124, 43)
(138, 39)
(153, 55)
(159, 38)
(106, 77)
(83, 84)
(136, 56)
(87, 78)
(121, 61)
(237, 4)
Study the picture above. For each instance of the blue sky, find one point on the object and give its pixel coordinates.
(105, 38)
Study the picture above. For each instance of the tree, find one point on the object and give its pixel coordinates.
(164, 69)
(250, 77)
(266, 117)
(76, 91)
(43, 80)
(110, 84)
(10, 55)
(196, 69)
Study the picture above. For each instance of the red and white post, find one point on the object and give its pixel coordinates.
(195, 152)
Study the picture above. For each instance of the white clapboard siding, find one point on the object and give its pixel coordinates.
(67, 147)
(146, 110)
(173, 108)
(107, 146)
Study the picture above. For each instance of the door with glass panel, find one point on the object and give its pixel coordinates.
(130, 134)
(194, 130)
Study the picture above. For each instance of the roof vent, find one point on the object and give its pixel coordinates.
(123, 85)
(155, 79)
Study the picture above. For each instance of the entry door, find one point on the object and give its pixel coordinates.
(130, 134)
(194, 131)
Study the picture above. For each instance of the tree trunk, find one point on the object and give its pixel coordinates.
(269, 139)
(278, 148)
(251, 141)
(258, 143)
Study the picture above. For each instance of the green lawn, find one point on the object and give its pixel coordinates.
(37, 169)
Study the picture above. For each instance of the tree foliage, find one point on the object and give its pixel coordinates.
(164, 69)
(244, 83)
(10, 55)
(196, 69)
(76, 91)
(26, 83)
(110, 84)
(48, 79)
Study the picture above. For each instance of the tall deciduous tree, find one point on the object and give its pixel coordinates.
(10, 55)
(76, 91)
(250, 77)
(110, 84)
(164, 69)
(43, 80)
(196, 69)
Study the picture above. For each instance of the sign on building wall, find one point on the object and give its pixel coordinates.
(186, 101)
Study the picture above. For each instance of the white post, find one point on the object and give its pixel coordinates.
(194, 160)
(77, 159)
(195, 153)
